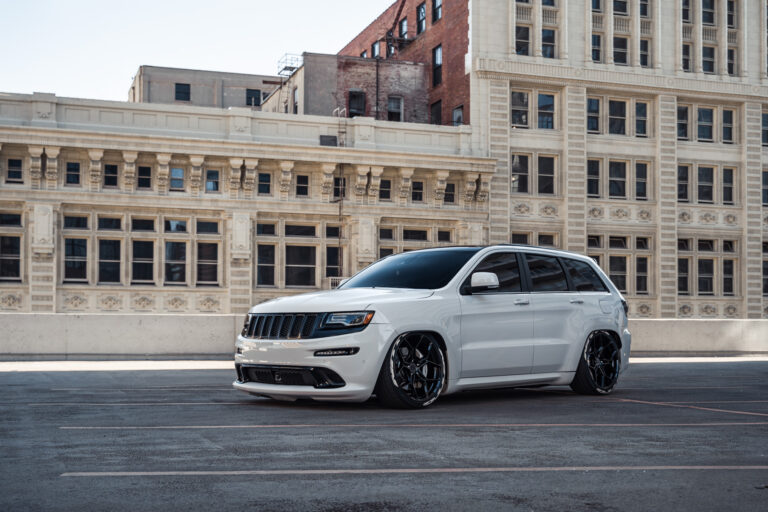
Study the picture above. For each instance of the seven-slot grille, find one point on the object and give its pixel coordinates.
(282, 326)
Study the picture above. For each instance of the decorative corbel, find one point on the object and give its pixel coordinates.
(361, 179)
(249, 179)
(328, 171)
(195, 173)
(96, 172)
(441, 181)
(129, 169)
(235, 175)
(51, 167)
(470, 186)
(406, 173)
(163, 159)
(286, 174)
(373, 187)
(35, 165)
(485, 188)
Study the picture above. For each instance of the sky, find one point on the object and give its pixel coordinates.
(93, 48)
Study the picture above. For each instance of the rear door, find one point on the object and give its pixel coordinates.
(497, 325)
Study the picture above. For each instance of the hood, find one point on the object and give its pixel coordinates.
(339, 300)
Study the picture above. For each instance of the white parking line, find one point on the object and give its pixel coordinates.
(112, 366)
(384, 471)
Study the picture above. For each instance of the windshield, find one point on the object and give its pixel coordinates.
(426, 270)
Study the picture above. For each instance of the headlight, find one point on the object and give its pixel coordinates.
(347, 320)
(246, 325)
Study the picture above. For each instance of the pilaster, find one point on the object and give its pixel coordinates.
(96, 171)
(129, 170)
(240, 263)
(536, 18)
(500, 140)
(562, 21)
(51, 167)
(721, 18)
(666, 192)
(35, 166)
(574, 169)
(753, 210)
(698, 28)
(608, 23)
(635, 32)
(42, 271)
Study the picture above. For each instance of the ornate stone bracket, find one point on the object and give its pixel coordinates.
(470, 186)
(406, 173)
(163, 169)
(35, 165)
(195, 173)
(441, 181)
(373, 186)
(235, 175)
(129, 169)
(361, 179)
(328, 171)
(286, 174)
(51, 167)
(485, 189)
(249, 178)
(96, 172)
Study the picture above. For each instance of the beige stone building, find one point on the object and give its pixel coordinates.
(634, 131)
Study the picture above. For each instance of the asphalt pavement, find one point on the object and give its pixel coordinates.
(675, 435)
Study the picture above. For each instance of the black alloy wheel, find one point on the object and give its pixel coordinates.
(599, 366)
(413, 374)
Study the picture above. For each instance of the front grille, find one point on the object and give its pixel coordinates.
(322, 378)
(282, 326)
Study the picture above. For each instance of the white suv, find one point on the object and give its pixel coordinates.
(421, 324)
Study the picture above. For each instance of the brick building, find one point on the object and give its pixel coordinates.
(435, 32)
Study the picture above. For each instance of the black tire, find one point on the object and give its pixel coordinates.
(413, 373)
(599, 365)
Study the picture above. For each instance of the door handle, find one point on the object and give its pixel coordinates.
(577, 301)
(521, 302)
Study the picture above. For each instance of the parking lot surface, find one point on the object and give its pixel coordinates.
(673, 436)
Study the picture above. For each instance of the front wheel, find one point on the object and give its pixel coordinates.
(599, 365)
(413, 373)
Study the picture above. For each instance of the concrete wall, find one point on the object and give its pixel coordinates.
(73, 336)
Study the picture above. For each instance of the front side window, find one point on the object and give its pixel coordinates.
(506, 268)
(547, 111)
(546, 274)
(299, 265)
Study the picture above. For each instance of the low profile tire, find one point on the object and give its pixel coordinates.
(413, 373)
(599, 365)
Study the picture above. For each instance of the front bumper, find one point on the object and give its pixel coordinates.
(358, 372)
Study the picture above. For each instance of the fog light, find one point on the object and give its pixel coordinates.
(337, 352)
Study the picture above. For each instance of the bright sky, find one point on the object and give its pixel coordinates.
(92, 48)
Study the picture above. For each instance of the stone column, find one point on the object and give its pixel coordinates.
(698, 28)
(536, 25)
(249, 177)
(656, 9)
(35, 166)
(195, 173)
(562, 22)
(51, 167)
(96, 172)
(608, 24)
(129, 170)
(42, 271)
(235, 176)
(751, 270)
(721, 18)
(665, 188)
(286, 175)
(512, 16)
(163, 169)
(573, 169)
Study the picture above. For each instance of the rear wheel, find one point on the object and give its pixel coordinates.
(413, 373)
(599, 365)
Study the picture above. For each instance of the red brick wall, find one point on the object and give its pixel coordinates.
(451, 31)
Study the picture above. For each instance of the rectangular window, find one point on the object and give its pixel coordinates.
(385, 251)
(617, 242)
(549, 3)
(546, 240)
(437, 65)
(183, 92)
(175, 262)
(597, 48)
(706, 119)
(75, 222)
(597, 6)
(682, 123)
(706, 276)
(109, 261)
(729, 246)
(421, 18)
(519, 110)
(708, 59)
(520, 173)
(594, 241)
(145, 177)
(644, 10)
(645, 53)
(765, 188)
(375, 51)
(732, 61)
(457, 116)
(641, 181)
(687, 57)
(211, 181)
(339, 187)
(332, 232)
(728, 126)
(332, 261)
(298, 230)
(705, 245)
(548, 43)
(520, 238)
(617, 271)
(617, 180)
(437, 10)
(443, 236)
(621, 50)
(436, 113)
(641, 119)
(207, 264)
(73, 173)
(10, 219)
(683, 281)
(417, 191)
(356, 103)
(265, 268)
(253, 97)
(705, 184)
(682, 183)
(75, 259)
(728, 186)
(546, 111)
(728, 270)
(394, 108)
(450, 193)
(765, 278)
(142, 264)
(765, 128)
(683, 244)
(110, 175)
(522, 40)
(686, 8)
(546, 175)
(364, 54)
(109, 223)
(415, 235)
(175, 226)
(403, 28)
(265, 181)
(390, 46)
(620, 7)
(385, 190)
(10, 258)
(264, 229)
(731, 13)
(386, 234)
(617, 117)
(299, 265)
(641, 275)
(302, 185)
(142, 225)
(708, 12)
(14, 174)
(593, 115)
(207, 226)
(593, 178)
(642, 244)
(177, 178)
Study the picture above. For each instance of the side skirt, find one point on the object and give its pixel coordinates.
(511, 381)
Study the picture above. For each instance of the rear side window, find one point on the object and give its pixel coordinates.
(583, 277)
(506, 268)
(546, 274)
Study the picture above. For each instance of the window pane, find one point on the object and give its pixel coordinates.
(583, 277)
(546, 274)
(505, 266)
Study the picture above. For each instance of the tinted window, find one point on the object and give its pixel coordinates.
(546, 274)
(427, 270)
(584, 278)
(505, 266)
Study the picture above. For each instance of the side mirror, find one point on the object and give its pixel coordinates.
(483, 281)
